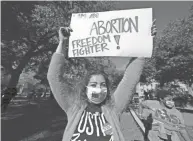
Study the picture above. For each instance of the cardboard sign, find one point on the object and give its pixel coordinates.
(112, 33)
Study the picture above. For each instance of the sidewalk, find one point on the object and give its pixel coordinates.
(130, 128)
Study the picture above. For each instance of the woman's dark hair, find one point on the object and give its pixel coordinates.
(86, 80)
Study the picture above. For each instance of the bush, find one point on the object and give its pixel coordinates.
(183, 100)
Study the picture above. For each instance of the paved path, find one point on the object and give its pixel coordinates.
(188, 118)
(131, 130)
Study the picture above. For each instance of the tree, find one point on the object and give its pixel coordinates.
(149, 71)
(5, 77)
(26, 82)
(33, 37)
(76, 69)
(116, 78)
(174, 55)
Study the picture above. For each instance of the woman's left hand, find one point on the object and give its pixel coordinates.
(153, 29)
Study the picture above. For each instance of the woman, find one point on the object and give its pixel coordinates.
(93, 114)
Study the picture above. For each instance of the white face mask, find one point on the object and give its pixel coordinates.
(96, 95)
(170, 104)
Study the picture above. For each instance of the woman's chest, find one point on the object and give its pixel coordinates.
(93, 126)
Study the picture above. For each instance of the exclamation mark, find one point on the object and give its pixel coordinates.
(117, 38)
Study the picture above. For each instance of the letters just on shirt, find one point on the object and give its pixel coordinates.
(112, 33)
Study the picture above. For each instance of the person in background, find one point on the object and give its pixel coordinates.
(162, 121)
(146, 94)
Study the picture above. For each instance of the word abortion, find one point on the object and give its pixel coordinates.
(90, 45)
(119, 25)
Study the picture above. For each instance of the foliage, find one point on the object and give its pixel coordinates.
(33, 26)
(60, 13)
(116, 78)
(14, 15)
(148, 71)
(26, 82)
(15, 24)
(29, 35)
(183, 100)
(37, 24)
(174, 55)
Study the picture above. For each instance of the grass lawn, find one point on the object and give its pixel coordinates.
(43, 122)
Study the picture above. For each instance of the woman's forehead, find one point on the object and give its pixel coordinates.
(97, 78)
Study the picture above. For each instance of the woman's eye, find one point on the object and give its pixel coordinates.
(93, 85)
(103, 85)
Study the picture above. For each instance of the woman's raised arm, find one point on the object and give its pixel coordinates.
(131, 77)
(127, 85)
(58, 84)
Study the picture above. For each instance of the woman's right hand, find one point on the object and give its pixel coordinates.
(64, 33)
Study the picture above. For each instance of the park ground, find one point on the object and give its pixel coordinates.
(44, 120)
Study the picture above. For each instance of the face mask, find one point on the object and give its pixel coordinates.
(169, 104)
(96, 95)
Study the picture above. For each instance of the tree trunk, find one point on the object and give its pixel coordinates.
(10, 91)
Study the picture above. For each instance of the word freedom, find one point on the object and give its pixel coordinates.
(90, 45)
(119, 25)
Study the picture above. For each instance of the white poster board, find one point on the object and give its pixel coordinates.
(112, 33)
